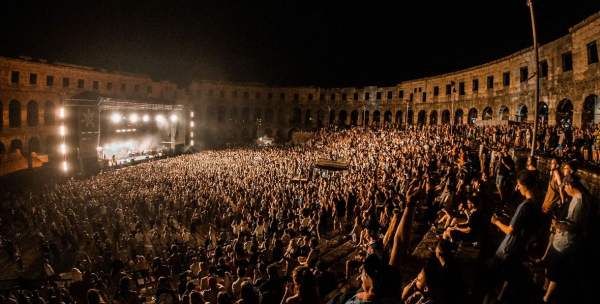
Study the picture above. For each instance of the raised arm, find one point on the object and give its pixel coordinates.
(402, 237)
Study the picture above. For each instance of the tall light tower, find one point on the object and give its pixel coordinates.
(537, 79)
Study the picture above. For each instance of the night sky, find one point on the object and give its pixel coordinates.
(298, 43)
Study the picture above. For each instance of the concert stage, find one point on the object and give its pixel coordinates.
(95, 131)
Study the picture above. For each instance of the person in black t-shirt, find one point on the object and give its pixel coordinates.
(466, 229)
(340, 213)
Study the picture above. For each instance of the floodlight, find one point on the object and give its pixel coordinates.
(146, 118)
(159, 118)
(133, 118)
(173, 118)
(116, 117)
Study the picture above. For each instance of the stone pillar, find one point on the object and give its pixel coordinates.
(551, 116)
(577, 118)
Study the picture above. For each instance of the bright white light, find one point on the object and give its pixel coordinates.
(160, 118)
(192, 134)
(192, 114)
(192, 142)
(118, 131)
(173, 118)
(64, 166)
(133, 118)
(62, 112)
(63, 149)
(260, 138)
(116, 117)
(146, 118)
(192, 124)
(62, 130)
(128, 130)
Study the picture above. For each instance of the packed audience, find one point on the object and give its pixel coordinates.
(246, 225)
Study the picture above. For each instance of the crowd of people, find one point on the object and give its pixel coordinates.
(231, 226)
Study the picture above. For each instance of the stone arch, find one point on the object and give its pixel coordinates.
(564, 112)
(387, 116)
(446, 117)
(279, 135)
(1, 116)
(14, 114)
(16, 144)
(503, 113)
(320, 117)
(257, 114)
(331, 120)
(543, 113)
(409, 117)
(34, 145)
(221, 113)
(366, 118)
(399, 117)
(307, 117)
(521, 114)
(458, 116)
(51, 145)
(296, 115)
(591, 111)
(2, 148)
(281, 116)
(49, 113)
(487, 114)
(433, 117)
(33, 113)
(269, 115)
(291, 131)
(376, 117)
(269, 133)
(343, 117)
(422, 117)
(354, 118)
(233, 114)
(472, 116)
(245, 115)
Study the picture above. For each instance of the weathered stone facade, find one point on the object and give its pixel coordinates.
(230, 111)
(32, 92)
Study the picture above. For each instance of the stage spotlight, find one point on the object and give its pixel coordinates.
(191, 143)
(116, 117)
(63, 149)
(173, 118)
(159, 118)
(62, 112)
(146, 118)
(65, 166)
(133, 118)
(192, 114)
(62, 130)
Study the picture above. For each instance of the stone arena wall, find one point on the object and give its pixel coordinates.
(30, 101)
(235, 110)
(230, 112)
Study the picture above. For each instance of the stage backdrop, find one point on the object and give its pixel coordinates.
(88, 120)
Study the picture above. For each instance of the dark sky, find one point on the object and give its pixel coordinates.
(300, 43)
